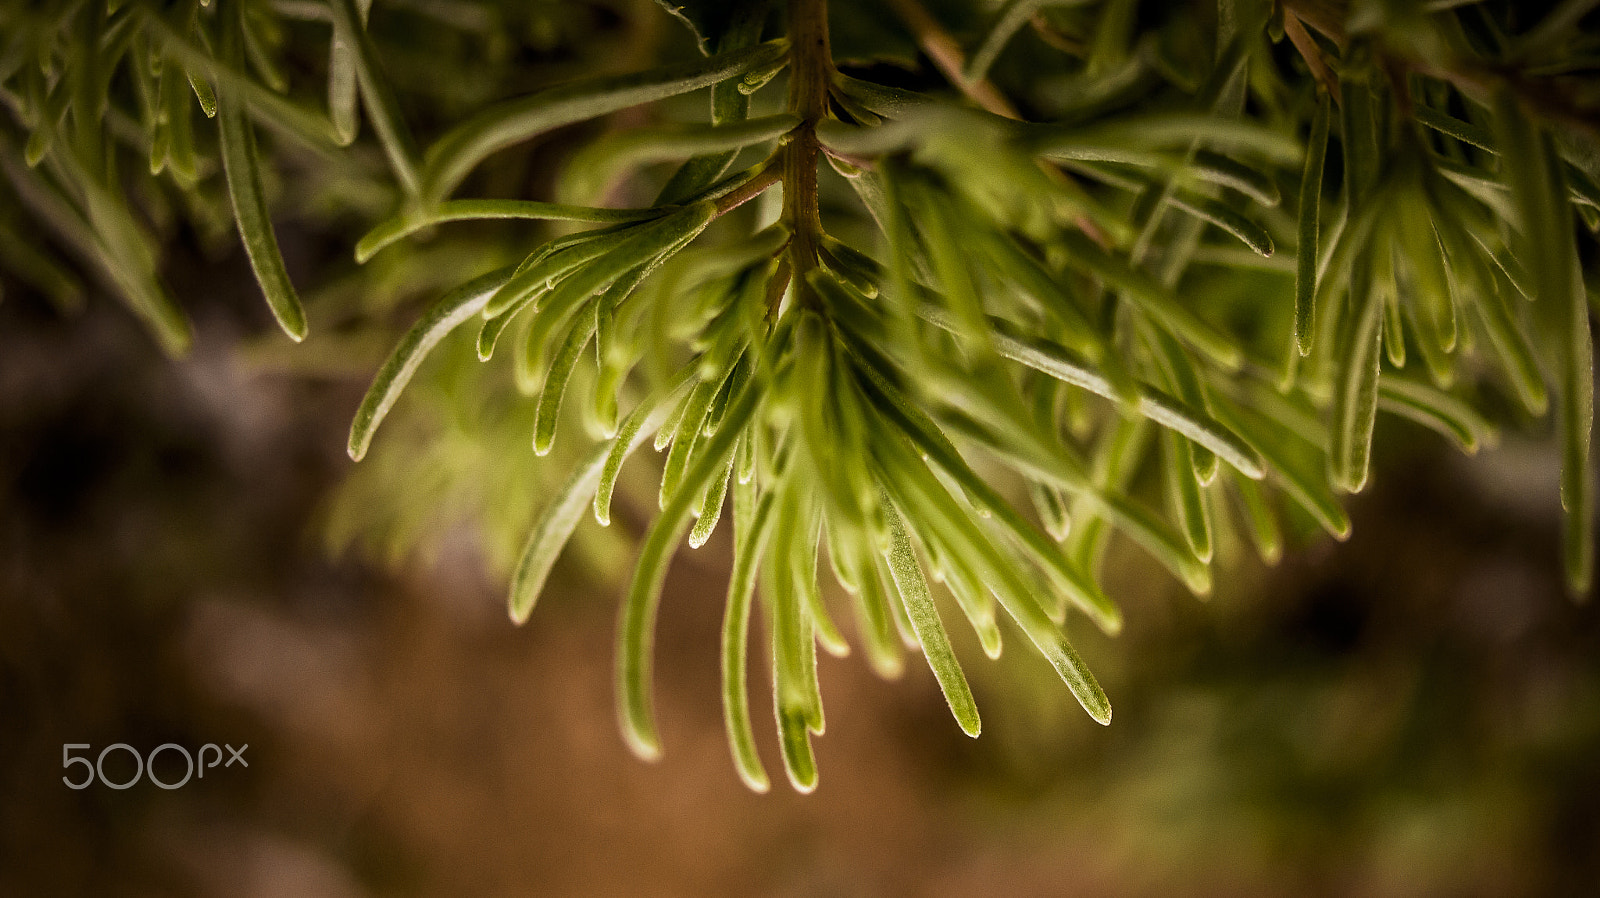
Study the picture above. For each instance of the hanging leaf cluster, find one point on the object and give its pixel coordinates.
(1155, 271)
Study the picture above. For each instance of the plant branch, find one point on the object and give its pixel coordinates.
(769, 175)
(945, 52)
(810, 68)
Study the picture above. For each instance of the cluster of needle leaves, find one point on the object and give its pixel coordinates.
(1084, 246)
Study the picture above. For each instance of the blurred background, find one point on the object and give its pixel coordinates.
(187, 556)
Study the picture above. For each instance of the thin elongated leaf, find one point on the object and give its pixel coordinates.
(209, 73)
(730, 102)
(1180, 374)
(829, 434)
(1436, 410)
(827, 632)
(378, 97)
(1309, 214)
(1058, 465)
(342, 80)
(1227, 218)
(1356, 398)
(637, 630)
(1154, 298)
(752, 521)
(1172, 130)
(875, 622)
(1309, 490)
(622, 251)
(555, 262)
(1077, 586)
(1577, 426)
(411, 221)
(1050, 504)
(1045, 287)
(889, 102)
(458, 306)
(976, 602)
(690, 425)
(1183, 493)
(108, 241)
(258, 56)
(1260, 522)
(555, 382)
(1544, 225)
(595, 167)
(550, 533)
(456, 153)
(1514, 347)
(940, 222)
(241, 166)
(1430, 275)
(914, 486)
(643, 421)
(1387, 287)
(579, 275)
(795, 741)
(1223, 171)
(179, 143)
(1062, 364)
(1359, 137)
(794, 649)
(1120, 450)
(1007, 21)
(913, 589)
(710, 508)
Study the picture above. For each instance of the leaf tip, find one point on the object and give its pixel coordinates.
(644, 745)
(972, 727)
(360, 439)
(1110, 622)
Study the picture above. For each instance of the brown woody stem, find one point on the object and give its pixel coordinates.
(810, 68)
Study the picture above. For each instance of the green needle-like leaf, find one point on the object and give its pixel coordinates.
(650, 415)
(913, 589)
(460, 150)
(915, 487)
(795, 741)
(413, 220)
(1308, 489)
(592, 169)
(555, 382)
(382, 107)
(1355, 403)
(709, 510)
(752, 520)
(240, 164)
(1162, 305)
(1260, 522)
(1225, 217)
(1436, 410)
(458, 306)
(637, 629)
(1183, 492)
(342, 109)
(1060, 363)
(1223, 171)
